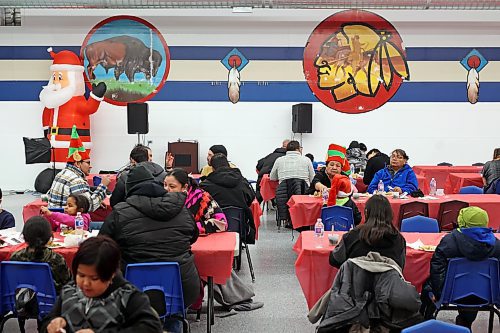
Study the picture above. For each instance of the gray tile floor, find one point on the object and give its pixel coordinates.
(284, 308)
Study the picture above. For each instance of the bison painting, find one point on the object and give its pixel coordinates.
(125, 54)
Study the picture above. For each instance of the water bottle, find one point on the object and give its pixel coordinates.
(351, 175)
(433, 187)
(380, 187)
(79, 224)
(319, 230)
(325, 194)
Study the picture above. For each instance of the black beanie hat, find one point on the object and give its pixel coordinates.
(136, 176)
(219, 149)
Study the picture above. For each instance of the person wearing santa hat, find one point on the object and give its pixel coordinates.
(71, 180)
(340, 195)
(65, 104)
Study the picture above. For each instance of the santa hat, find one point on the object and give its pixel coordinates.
(341, 188)
(338, 153)
(76, 151)
(65, 61)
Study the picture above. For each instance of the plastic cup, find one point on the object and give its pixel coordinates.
(333, 239)
(96, 180)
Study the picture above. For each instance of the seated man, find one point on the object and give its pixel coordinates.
(139, 155)
(397, 177)
(265, 165)
(292, 165)
(6, 219)
(71, 180)
(228, 187)
(215, 149)
(472, 240)
(376, 161)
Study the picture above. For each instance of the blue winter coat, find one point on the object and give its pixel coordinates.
(404, 178)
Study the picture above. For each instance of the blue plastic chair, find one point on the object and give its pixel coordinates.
(164, 277)
(95, 225)
(236, 222)
(471, 190)
(433, 326)
(33, 275)
(476, 280)
(420, 224)
(339, 217)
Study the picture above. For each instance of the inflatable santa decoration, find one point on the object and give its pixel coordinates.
(65, 104)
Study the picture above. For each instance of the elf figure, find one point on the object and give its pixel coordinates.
(65, 104)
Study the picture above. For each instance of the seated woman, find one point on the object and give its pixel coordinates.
(491, 172)
(154, 225)
(336, 164)
(208, 216)
(99, 299)
(472, 240)
(37, 233)
(377, 234)
(340, 195)
(398, 176)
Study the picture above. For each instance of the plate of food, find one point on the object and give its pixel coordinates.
(73, 232)
(55, 244)
(428, 248)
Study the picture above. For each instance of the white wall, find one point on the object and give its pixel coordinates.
(430, 132)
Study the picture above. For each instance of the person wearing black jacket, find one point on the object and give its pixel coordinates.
(228, 187)
(376, 161)
(472, 240)
(138, 155)
(100, 299)
(154, 225)
(265, 165)
(377, 234)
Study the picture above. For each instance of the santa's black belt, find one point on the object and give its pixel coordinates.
(67, 131)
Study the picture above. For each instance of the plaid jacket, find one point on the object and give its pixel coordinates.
(60, 271)
(71, 180)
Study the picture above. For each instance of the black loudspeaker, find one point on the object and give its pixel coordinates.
(137, 118)
(302, 118)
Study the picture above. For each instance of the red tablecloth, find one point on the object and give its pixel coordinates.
(304, 209)
(440, 173)
(316, 276)
(112, 178)
(456, 181)
(213, 254)
(256, 213)
(268, 188)
(33, 209)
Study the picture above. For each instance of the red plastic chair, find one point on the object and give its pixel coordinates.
(448, 214)
(411, 209)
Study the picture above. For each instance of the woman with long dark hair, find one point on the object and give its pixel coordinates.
(377, 234)
(207, 214)
(491, 173)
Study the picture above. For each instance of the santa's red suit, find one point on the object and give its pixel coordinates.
(57, 120)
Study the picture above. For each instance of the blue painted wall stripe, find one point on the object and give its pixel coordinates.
(257, 53)
(273, 92)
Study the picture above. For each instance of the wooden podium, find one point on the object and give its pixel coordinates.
(185, 155)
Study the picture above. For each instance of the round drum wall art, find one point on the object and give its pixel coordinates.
(130, 55)
(354, 61)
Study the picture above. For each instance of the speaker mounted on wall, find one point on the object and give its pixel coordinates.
(302, 118)
(137, 118)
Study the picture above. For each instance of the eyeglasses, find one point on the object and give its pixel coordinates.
(397, 157)
(88, 162)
